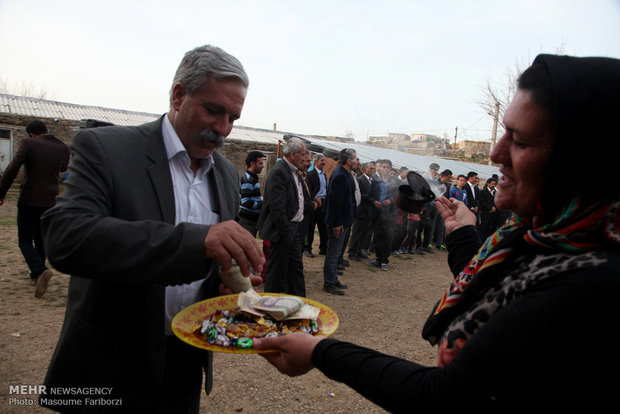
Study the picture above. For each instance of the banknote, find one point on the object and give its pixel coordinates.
(245, 301)
(278, 307)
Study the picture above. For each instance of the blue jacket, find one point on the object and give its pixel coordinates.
(340, 200)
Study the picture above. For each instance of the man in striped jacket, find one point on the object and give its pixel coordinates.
(249, 188)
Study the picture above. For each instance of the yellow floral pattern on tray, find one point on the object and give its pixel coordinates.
(184, 322)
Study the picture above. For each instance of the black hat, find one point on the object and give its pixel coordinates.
(413, 196)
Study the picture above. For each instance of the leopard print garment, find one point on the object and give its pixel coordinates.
(528, 272)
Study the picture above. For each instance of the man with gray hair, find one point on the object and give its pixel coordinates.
(146, 220)
(279, 221)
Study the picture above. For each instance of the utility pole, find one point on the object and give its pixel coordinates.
(494, 136)
(456, 130)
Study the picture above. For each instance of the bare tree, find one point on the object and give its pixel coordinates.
(27, 88)
(496, 97)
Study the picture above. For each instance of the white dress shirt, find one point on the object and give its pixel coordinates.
(299, 216)
(322, 184)
(358, 193)
(192, 204)
(473, 190)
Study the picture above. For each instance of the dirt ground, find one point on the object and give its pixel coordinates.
(384, 310)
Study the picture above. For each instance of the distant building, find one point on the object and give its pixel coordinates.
(469, 148)
(379, 141)
(421, 144)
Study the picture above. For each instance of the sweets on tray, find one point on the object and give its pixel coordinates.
(257, 316)
(237, 328)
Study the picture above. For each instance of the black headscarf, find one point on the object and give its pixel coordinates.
(585, 109)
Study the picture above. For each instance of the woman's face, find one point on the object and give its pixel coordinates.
(523, 152)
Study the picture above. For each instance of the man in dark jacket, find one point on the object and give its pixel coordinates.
(364, 216)
(489, 214)
(473, 194)
(384, 188)
(281, 216)
(44, 157)
(317, 183)
(339, 216)
(146, 220)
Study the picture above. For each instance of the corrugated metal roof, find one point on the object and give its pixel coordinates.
(26, 106)
(52, 109)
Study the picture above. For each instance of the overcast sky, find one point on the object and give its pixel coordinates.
(316, 67)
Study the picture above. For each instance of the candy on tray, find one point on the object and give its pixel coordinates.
(237, 328)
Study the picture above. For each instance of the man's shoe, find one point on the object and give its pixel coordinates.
(395, 252)
(345, 263)
(333, 290)
(384, 266)
(340, 273)
(375, 264)
(356, 258)
(420, 250)
(341, 267)
(42, 281)
(427, 250)
(308, 253)
(341, 285)
(443, 248)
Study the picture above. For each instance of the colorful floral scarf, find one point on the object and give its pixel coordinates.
(575, 231)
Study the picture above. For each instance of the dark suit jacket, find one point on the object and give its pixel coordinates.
(314, 183)
(113, 230)
(486, 202)
(366, 209)
(340, 200)
(280, 204)
(471, 200)
(44, 159)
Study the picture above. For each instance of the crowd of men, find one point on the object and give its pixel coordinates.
(354, 210)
